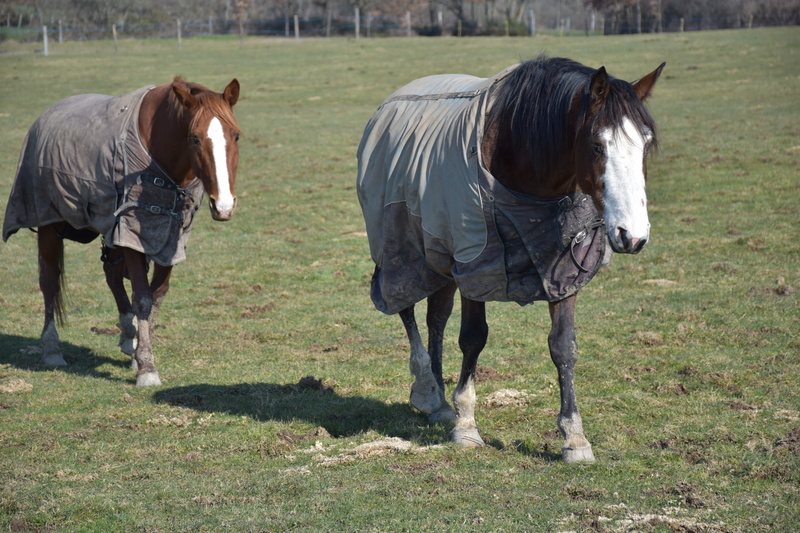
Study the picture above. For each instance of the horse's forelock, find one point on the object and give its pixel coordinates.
(211, 104)
(623, 102)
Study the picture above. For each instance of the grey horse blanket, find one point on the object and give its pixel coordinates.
(434, 214)
(83, 163)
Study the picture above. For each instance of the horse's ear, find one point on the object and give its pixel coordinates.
(231, 93)
(184, 95)
(645, 85)
(598, 89)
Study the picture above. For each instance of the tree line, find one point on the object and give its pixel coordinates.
(426, 17)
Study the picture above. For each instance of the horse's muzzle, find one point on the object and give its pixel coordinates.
(623, 243)
(221, 215)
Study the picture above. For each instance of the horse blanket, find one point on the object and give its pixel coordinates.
(434, 214)
(83, 163)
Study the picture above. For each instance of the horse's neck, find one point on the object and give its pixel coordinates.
(517, 170)
(164, 134)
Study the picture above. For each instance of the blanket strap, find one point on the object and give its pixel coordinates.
(579, 238)
(152, 208)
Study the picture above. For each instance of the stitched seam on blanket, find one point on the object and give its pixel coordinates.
(440, 96)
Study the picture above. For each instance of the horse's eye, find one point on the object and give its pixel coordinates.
(195, 140)
(598, 149)
(236, 138)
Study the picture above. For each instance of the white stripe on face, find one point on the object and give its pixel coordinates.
(224, 199)
(624, 196)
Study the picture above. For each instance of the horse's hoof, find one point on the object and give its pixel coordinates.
(127, 346)
(148, 379)
(54, 359)
(426, 399)
(468, 438)
(582, 454)
(444, 414)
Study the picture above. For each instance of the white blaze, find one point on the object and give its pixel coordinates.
(224, 199)
(624, 196)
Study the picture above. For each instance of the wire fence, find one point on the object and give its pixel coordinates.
(372, 26)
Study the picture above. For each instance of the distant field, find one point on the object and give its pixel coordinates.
(689, 365)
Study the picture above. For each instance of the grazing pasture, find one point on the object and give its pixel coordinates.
(284, 403)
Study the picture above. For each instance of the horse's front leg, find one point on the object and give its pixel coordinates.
(564, 352)
(471, 340)
(159, 286)
(143, 361)
(114, 268)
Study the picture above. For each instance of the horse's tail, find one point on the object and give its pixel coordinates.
(51, 270)
(60, 296)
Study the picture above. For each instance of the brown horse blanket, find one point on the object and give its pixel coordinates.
(83, 163)
(435, 214)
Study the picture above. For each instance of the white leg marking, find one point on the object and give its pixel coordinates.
(425, 394)
(51, 351)
(148, 379)
(575, 449)
(127, 337)
(224, 199)
(465, 431)
(624, 197)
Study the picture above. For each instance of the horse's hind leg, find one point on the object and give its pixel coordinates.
(440, 307)
(564, 352)
(114, 268)
(427, 394)
(51, 271)
(471, 340)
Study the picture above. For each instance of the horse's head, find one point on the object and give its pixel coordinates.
(612, 155)
(212, 141)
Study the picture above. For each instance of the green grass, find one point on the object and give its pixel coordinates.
(687, 386)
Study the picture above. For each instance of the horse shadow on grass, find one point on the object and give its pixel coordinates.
(25, 353)
(308, 400)
(311, 401)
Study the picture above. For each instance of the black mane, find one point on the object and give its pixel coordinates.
(532, 106)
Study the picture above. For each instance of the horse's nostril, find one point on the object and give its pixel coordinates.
(625, 239)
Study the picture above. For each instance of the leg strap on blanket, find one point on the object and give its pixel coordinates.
(104, 254)
(579, 237)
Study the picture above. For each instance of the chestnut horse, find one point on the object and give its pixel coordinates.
(133, 169)
(509, 189)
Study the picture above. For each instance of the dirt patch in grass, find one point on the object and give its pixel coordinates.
(15, 386)
(307, 383)
(507, 398)
(791, 442)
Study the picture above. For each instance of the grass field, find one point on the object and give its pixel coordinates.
(284, 404)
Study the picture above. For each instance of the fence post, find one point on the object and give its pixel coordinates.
(328, 22)
(441, 25)
(44, 37)
(210, 25)
(296, 28)
(358, 23)
(180, 41)
(681, 30)
(459, 27)
(750, 23)
(532, 22)
(60, 32)
(114, 33)
(408, 23)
